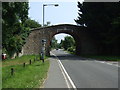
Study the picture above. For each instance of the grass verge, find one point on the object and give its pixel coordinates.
(30, 76)
(103, 58)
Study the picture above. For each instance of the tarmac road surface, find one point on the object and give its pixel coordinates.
(88, 73)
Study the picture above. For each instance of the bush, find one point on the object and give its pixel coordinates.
(71, 49)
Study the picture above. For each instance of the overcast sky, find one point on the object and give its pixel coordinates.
(65, 13)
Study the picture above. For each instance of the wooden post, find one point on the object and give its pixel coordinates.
(23, 64)
(12, 71)
(30, 62)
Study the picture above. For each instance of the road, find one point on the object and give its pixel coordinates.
(88, 73)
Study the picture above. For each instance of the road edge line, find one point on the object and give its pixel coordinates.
(64, 75)
(70, 80)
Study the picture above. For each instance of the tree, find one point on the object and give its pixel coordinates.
(47, 24)
(32, 23)
(100, 20)
(68, 42)
(54, 43)
(14, 32)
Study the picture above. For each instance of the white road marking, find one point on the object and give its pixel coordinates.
(73, 85)
(65, 74)
(62, 72)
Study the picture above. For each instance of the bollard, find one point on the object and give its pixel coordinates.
(43, 60)
(12, 71)
(42, 57)
(23, 64)
(30, 62)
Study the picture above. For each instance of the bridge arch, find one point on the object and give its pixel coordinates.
(85, 43)
(67, 33)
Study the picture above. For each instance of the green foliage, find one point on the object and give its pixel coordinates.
(32, 23)
(108, 58)
(14, 32)
(71, 49)
(54, 43)
(31, 76)
(68, 43)
(47, 24)
(103, 21)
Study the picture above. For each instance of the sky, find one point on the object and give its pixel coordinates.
(65, 13)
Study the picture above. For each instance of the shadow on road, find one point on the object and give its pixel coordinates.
(70, 57)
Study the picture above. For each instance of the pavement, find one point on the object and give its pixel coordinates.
(55, 77)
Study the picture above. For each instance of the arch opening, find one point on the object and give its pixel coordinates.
(63, 41)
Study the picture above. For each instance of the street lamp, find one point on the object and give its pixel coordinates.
(44, 9)
(44, 40)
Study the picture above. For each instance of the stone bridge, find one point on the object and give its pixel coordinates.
(85, 43)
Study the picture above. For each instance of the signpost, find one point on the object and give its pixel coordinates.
(42, 54)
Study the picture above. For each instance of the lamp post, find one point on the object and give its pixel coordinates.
(44, 40)
(44, 10)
